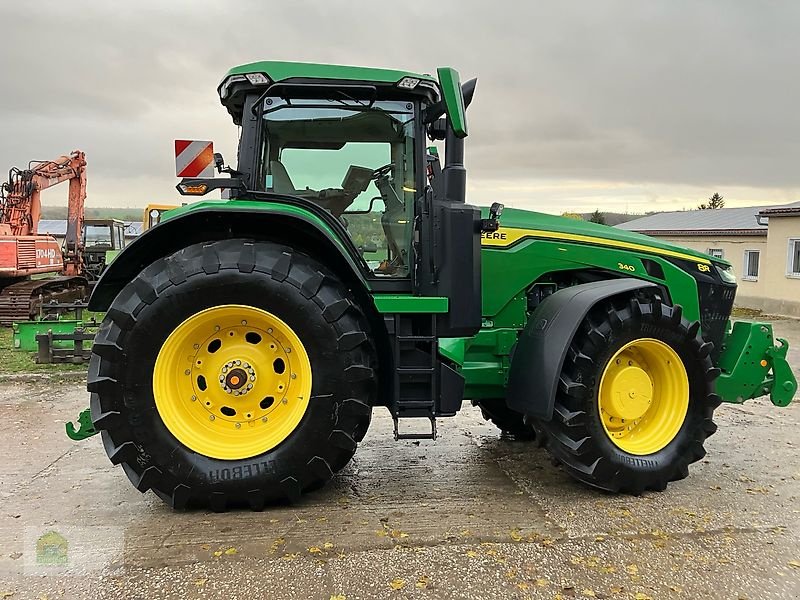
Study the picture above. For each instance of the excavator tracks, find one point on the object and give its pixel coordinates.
(21, 301)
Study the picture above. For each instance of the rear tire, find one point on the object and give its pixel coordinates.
(576, 435)
(296, 289)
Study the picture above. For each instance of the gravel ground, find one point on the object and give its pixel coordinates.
(471, 515)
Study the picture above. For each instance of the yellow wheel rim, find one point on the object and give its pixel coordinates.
(643, 396)
(232, 382)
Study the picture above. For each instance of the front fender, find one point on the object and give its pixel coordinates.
(543, 344)
(214, 220)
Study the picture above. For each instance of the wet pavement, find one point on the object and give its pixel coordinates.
(471, 515)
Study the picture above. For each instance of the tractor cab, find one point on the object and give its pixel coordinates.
(350, 145)
(355, 157)
(103, 239)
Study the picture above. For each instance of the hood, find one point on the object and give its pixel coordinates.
(586, 232)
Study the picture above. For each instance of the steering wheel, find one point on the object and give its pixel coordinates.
(384, 170)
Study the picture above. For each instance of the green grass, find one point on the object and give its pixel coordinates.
(14, 361)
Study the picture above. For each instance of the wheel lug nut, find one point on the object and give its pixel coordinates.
(194, 398)
(211, 417)
(196, 346)
(238, 363)
(294, 375)
(263, 419)
(269, 330)
(252, 377)
(238, 425)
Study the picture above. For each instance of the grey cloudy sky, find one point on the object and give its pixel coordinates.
(610, 104)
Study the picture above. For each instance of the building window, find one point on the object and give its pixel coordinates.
(793, 258)
(716, 252)
(751, 258)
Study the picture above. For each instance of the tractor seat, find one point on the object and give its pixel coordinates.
(281, 182)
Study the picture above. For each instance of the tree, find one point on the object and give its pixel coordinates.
(715, 202)
(597, 217)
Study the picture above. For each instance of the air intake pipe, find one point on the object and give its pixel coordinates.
(454, 173)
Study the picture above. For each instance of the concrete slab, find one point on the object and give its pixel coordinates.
(471, 515)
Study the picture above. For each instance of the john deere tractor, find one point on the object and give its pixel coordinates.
(247, 340)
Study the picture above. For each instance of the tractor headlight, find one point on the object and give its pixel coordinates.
(726, 273)
(225, 88)
(257, 78)
(408, 83)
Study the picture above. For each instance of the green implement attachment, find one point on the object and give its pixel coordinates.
(85, 428)
(753, 366)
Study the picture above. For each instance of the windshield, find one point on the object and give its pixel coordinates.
(356, 159)
(98, 235)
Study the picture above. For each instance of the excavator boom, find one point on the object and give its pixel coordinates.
(23, 252)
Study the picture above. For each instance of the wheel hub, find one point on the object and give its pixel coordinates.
(235, 379)
(232, 382)
(629, 393)
(643, 396)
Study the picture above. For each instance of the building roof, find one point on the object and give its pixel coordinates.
(727, 221)
(58, 227)
(781, 211)
(52, 227)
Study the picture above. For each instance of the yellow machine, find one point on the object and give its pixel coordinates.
(152, 214)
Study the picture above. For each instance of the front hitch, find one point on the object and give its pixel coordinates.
(752, 365)
(85, 427)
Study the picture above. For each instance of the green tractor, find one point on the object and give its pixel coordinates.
(247, 340)
(103, 240)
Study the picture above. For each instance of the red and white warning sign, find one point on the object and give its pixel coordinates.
(194, 158)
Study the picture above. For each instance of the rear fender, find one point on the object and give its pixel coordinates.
(283, 224)
(542, 346)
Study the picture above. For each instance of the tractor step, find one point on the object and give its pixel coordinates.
(416, 372)
(414, 436)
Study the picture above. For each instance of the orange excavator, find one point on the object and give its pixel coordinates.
(27, 258)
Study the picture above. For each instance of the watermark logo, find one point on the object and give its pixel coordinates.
(52, 549)
(70, 550)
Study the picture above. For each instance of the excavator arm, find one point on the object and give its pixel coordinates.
(24, 253)
(21, 207)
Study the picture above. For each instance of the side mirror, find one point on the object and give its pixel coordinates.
(450, 84)
(368, 247)
(219, 162)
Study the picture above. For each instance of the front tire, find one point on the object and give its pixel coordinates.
(507, 420)
(635, 399)
(234, 373)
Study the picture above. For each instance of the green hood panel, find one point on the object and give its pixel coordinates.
(551, 226)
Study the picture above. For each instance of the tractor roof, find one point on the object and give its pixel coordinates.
(236, 82)
(281, 70)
